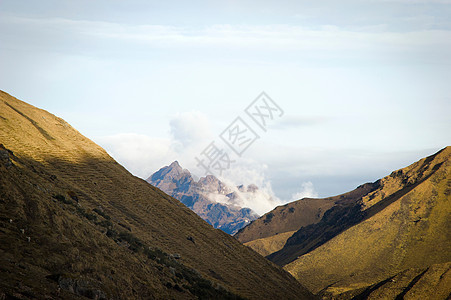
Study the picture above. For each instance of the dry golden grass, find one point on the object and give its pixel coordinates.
(407, 232)
(50, 159)
(271, 244)
(284, 218)
(433, 282)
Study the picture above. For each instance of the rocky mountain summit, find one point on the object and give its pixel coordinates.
(213, 200)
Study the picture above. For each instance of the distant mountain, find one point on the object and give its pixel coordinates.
(75, 224)
(213, 200)
(389, 239)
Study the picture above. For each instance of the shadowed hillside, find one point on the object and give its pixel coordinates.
(345, 212)
(275, 227)
(404, 227)
(74, 223)
(385, 240)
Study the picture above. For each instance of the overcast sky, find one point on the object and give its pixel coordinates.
(364, 85)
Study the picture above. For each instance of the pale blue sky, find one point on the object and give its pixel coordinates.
(364, 84)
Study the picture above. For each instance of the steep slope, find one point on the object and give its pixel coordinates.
(284, 218)
(344, 213)
(269, 233)
(271, 244)
(387, 242)
(74, 223)
(202, 197)
(431, 283)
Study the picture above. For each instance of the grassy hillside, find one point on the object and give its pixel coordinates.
(402, 231)
(432, 283)
(284, 218)
(271, 244)
(269, 233)
(73, 223)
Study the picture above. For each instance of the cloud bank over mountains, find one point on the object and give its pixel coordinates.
(190, 133)
(157, 84)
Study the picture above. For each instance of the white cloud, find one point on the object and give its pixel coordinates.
(143, 154)
(189, 128)
(219, 198)
(260, 201)
(307, 191)
(369, 65)
(292, 121)
(325, 40)
(246, 172)
(140, 154)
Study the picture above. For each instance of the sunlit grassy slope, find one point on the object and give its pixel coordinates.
(271, 244)
(269, 233)
(73, 222)
(401, 244)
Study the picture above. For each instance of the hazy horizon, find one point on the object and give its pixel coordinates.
(363, 84)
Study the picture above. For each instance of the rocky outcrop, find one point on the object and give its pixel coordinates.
(5, 155)
(79, 286)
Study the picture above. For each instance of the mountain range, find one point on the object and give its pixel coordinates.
(389, 239)
(75, 224)
(211, 199)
